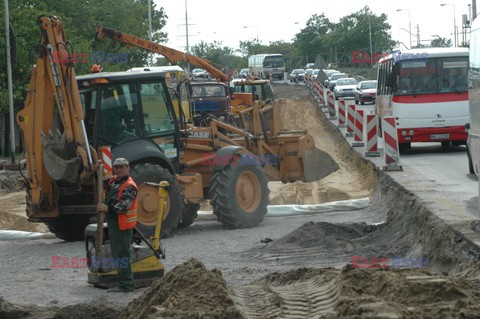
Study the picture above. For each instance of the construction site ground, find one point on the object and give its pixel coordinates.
(290, 267)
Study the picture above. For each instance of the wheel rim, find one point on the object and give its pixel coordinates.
(148, 202)
(248, 192)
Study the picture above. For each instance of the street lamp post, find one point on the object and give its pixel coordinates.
(409, 24)
(252, 26)
(454, 21)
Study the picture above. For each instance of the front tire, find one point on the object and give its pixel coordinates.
(69, 227)
(148, 172)
(239, 195)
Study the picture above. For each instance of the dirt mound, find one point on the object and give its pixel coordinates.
(10, 181)
(79, 311)
(342, 241)
(13, 216)
(187, 291)
(358, 293)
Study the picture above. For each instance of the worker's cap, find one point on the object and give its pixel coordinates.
(120, 161)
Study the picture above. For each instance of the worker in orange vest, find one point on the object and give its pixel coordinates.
(121, 208)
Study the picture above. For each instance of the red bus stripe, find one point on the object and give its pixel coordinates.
(431, 98)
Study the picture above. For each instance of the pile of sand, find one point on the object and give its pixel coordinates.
(358, 293)
(13, 215)
(10, 181)
(78, 311)
(187, 291)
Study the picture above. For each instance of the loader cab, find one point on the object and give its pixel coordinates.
(132, 112)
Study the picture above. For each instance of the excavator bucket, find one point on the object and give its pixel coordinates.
(59, 158)
(317, 164)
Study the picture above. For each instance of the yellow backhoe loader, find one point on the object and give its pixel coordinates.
(133, 114)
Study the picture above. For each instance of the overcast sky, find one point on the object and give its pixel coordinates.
(274, 20)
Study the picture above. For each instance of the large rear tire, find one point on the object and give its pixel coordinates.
(148, 172)
(239, 195)
(69, 227)
(189, 215)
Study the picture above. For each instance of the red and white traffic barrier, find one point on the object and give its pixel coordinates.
(341, 113)
(331, 106)
(320, 90)
(107, 160)
(358, 129)
(350, 119)
(372, 136)
(391, 153)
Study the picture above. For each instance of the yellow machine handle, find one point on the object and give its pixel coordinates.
(163, 189)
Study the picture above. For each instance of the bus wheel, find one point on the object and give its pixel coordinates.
(446, 145)
(404, 146)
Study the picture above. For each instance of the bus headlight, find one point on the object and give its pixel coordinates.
(410, 132)
(404, 133)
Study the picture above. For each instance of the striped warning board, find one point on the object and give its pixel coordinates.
(372, 136)
(320, 92)
(350, 119)
(107, 160)
(341, 113)
(391, 153)
(358, 129)
(331, 106)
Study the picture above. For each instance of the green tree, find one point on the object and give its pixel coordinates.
(79, 19)
(441, 43)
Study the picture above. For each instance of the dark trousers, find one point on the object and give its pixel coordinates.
(120, 241)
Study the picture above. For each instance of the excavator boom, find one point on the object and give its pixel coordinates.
(172, 55)
(52, 155)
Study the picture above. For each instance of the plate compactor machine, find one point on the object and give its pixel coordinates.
(145, 260)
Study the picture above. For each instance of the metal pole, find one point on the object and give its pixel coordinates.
(410, 28)
(150, 27)
(474, 10)
(370, 36)
(10, 85)
(186, 31)
(455, 25)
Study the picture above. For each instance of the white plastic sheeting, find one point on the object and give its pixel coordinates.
(17, 234)
(291, 210)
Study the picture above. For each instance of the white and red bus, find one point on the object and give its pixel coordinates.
(427, 92)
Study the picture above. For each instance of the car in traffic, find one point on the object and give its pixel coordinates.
(366, 91)
(297, 75)
(244, 73)
(328, 73)
(334, 78)
(198, 74)
(345, 88)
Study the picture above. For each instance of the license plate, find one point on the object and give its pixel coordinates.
(439, 136)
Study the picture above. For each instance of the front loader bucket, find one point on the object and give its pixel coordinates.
(317, 164)
(59, 158)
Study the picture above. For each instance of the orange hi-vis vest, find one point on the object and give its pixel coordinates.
(127, 220)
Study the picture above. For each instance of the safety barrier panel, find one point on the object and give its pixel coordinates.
(341, 113)
(358, 129)
(107, 160)
(391, 153)
(372, 136)
(350, 119)
(331, 106)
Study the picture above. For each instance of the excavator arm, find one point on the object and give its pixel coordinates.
(53, 155)
(172, 55)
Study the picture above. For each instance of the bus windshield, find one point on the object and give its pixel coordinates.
(433, 75)
(273, 62)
